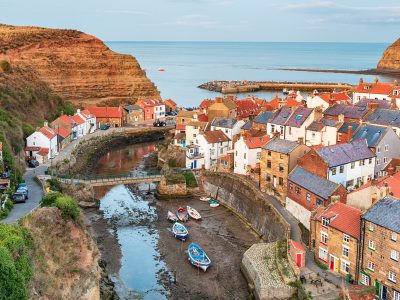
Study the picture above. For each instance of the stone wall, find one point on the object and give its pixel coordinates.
(244, 199)
(176, 189)
(301, 214)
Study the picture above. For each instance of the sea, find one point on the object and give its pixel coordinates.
(188, 64)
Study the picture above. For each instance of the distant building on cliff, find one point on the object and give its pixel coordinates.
(112, 116)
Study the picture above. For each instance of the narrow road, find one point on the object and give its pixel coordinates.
(35, 195)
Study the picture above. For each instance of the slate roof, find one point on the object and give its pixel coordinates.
(224, 122)
(385, 213)
(345, 127)
(313, 183)
(340, 154)
(132, 107)
(373, 134)
(381, 103)
(299, 116)
(281, 116)
(281, 146)
(325, 122)
(385, 117)
(248, 125)
(264, 117)
(349, 111)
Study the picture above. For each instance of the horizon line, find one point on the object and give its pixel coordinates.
(205, 41)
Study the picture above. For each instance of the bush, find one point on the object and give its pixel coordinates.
(320, 264)
(5, 66)
(54, 185)
(50, 199)
(191, 181)
(27, 129)
(172, 163)
(69, 208)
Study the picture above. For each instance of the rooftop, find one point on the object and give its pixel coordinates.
(391, 181)
(224, 122)
(132, 107)
(385, 117)
(281, 146)
(264, 117)
(215, 136)
(313, 183)
(382, 88)
(48, 132)
(256, 142)
(248, 125)
(345, 127)
(373, 134)
(299, 116)
(349, 111)
(281, 116)
(106, 112)
(385, 213)
(325, 122)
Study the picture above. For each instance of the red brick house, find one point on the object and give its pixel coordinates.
(170, 105)
(108, 115)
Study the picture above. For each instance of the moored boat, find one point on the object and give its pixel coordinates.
(198, 257)
(172, 217)
(193, 214)
(180, 231)
(213, 202)
(182, 214)
(204, 198)
(161, 69)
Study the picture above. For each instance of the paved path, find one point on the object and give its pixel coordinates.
(35, 195)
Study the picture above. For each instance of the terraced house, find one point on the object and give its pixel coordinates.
(380, 255)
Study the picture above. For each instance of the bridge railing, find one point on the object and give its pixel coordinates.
(109, 177)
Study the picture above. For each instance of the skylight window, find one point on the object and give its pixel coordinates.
(298, 117)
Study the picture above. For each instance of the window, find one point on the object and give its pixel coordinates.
(370, 161)
(362, 163)
(281, 129)
(364, 279)
(386, 147)
(339, 137)
(268, 177)
(324, 238)
(345, 251)
(394, 255)
(308, 197)
(313, 135)
(385, 160)
(371, 266)
(269, 153)
(325, 221)
(268, 164)
(396, 295)
(333, 170)
(323, 254)
(297, 190)
(371, 245)
(378, 150)
(320, 202)
(291, 186)
(353, 164)
(378, 161)
(258, 155)
(392, 276)
(394, 236)
(346, 238)
(281, 167)
(371, 227)
(280, 181)
(341, 169)
(236, 153)
(280, 156)
(290, 130)
(344, 266)
(244, 155)
(272, 128)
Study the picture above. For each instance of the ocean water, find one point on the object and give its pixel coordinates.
(189, 64)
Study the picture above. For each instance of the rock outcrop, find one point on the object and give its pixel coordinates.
(77, 66)
(390, 60)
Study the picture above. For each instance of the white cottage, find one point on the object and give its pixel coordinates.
(248, 153)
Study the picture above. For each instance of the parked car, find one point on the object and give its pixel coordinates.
(159, 123)
(33, 163)
(22, 191)
(104, 126)
(19, 198)
(22, 187)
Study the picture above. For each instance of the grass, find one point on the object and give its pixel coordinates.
(191, 181)
(175, 179)
(320, 264)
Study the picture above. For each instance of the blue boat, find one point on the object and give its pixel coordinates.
(180, 231)
(198, 257)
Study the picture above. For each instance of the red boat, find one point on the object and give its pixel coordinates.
(182, 214)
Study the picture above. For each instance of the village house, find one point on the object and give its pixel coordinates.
(278, 103)
(335, 238)
(64, 126)
(323, 132)
(42, 144)
(276, 125)
(278, 159)
(346, 113)
(107, 115)
(204, 105)
(247, 108)
(295, 127)
(376, 90)
(225, 163)
(170, 105)
(192, 131)
(262, 120)
(133, 114)
(380, 248)
(325, 99)
(383, 142)
(207, 149)
(385, 117)
(90, 121)
(247, 153)
(395, 95)
(185, 116)
(367, 194)
(351, 164)
(346, 131)
(222, 108)
(375, 104)
(231, 127)
(307, 192)
(153, 109)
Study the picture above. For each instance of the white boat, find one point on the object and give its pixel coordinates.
(180, 231)
(204, 199)
(193, 214)
(198, 257)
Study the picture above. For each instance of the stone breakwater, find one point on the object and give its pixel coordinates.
(244, 86)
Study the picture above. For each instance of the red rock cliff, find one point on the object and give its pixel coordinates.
(391, 58)
(77, 66)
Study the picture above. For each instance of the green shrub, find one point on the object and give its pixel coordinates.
(50, 199)
(5, 66)
(320, 264)
(54, 185)
(172, 163)
(69, 208)
(27, 129)
(191, 181)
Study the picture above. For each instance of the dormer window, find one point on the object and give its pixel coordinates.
(325, 221)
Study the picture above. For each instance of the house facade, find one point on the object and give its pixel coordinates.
(44, 141)
(335, 238)
(276, 125)
(192, 131)
(107, 115)
(297, 123)
(324, 99)
(170, 105)
(133, 114)
(322, 132)
(247, 153)
(231, 127)
(222, 108)
(380, 248)
(376, 90)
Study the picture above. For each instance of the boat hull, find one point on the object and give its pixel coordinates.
(198, 258)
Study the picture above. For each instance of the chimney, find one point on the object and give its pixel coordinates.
(373, 105)
(46, 124)
(315, 92)
(395, 82)
(341, 118)
(78, 111)
(317, 113)
(218, 100)
(350, 131)
(376, 79)
(361, 81)
(282, 102)
(320, 126)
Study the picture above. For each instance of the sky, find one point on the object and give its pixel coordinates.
(214, 20)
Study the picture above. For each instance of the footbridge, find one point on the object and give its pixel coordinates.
(109, 180)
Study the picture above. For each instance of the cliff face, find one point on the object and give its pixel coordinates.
(77, 66)
(391, 58)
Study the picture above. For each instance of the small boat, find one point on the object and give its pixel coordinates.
(204, 198)
(171, 217)
(180, 231)
(193, 214)
(213, 202)
(198, 257)
(182, 214)
(161, 69)
(285, 91)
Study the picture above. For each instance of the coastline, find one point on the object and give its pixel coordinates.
(395, 73)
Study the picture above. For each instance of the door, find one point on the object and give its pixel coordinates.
(332, 263)
(274, 181)
(298, 259)
(191, 165)
(377, 288)
(384, 293)
(195, 164)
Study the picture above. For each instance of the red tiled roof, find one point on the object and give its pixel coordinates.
(43, 152)
(256, 142)
(170, 102)
(48, 132)
(106, 112)
(215, 136)
(32, 148)
(202, 118)
(334, 97)
(297, 245)
(78, 119)
(149, 103)
(63, 132)
(343, 218)
(381, 88)
(86, 113)
(206, 103)
(290, 102)
(180, 127)
(392, 181)
(247, 107)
